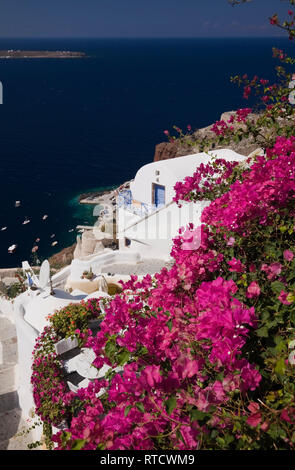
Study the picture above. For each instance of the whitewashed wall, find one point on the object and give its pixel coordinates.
(171, 171)
(153, 235)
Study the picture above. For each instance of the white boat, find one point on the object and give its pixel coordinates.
(3, 228)
(71, 230)
(52, 236)
(12, 248)
(17, 203)
(44, 217)
(54, 243)
(26, 221)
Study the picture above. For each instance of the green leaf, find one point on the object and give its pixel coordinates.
(65, 437)
(280, 367)
(123, 357)
(277, 287)
(262, 332)
(140, 406)
(214, 434)
(78, 444)
(220, 441)
(101, 446)
(169, 324)
(110, 348)
(167, 313)
(197, 415)
(276, 432)
(170, 404)
(127, 409)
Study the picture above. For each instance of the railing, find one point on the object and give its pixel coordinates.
(147, 216)
(126, 201)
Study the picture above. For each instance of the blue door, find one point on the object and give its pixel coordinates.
(159, 195)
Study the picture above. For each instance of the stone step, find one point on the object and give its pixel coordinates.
(15, 433)
(9, 423)
(7, 379)
(8, 343)
(8, 352)
(7, 328)
(8, 401)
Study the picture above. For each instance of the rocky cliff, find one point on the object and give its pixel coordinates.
(190, 145)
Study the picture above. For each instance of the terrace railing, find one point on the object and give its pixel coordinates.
(126, 201)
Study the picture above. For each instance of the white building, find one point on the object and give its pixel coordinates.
(148, 219)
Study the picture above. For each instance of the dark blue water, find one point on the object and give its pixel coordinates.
(73, 125)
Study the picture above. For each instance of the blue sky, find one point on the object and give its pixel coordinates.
(137, 18)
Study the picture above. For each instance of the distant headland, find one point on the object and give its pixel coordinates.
(18, 54)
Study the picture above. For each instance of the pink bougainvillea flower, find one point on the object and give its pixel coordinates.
(288, 415)
(255, 417)
(272, 270)
(264, 426)
(253, 407)
(283, 297)
(274, 19)
(192, 239)
(231, 241)
(288, 255)
(236, 265)
(254, 420)
(253, 290)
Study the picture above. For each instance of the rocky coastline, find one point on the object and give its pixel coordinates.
(185, 146)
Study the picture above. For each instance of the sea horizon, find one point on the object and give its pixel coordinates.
(131, 38)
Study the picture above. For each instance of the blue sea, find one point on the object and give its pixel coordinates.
(69, 126)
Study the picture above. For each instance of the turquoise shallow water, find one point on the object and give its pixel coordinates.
(74, 125)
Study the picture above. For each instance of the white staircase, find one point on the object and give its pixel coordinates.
(14, 431)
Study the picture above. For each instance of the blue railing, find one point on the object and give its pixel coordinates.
(125, 200)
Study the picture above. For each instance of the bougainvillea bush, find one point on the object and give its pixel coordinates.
(206, 348)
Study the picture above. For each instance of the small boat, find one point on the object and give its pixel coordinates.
(34, 249)
(71, 230)
(17, 203)
(54, 243)
(52, 236)
(26, 221)
(12, 248)
(44, 217)
(3, 228)
(37, 240)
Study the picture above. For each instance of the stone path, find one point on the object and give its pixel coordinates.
(14, 433)
(141, 268)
